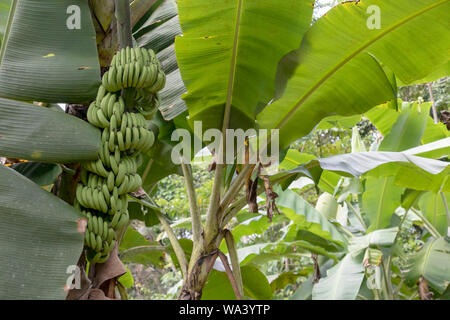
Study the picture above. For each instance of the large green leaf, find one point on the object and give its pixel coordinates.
(381, 196)
(380, 200)
(307, 217)
(433, 207)
(406, 133)
(342, 281)
(36, 133)
(384, 119)
(256, 285)
(43, 60)
(39, 240)
(339, 75)
(229, 53)
(433, 263)
(135, 248)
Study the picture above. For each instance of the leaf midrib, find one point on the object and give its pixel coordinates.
(232, 72)
(381, 204)
(344, 61)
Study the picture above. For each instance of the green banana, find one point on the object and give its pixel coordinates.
(104, 183)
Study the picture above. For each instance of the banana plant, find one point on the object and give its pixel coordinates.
(378, 215)
(262, 66)
(76, 41)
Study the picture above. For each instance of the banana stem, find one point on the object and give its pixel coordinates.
(124, 23)
(197, 228)
(234, 258)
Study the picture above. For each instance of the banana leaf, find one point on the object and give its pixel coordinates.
(229, 53)
(42, 59)
(40, 237)
(36, 133)
(338, 63)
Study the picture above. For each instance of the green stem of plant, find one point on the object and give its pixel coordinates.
(236, 186)
(397, 290)
(234, 258)
(211, 227)
(427, 224)
(122, 291)
(230, 275)
(179, 253)
(447, 210)
(357, 214)
(387, 288)
(141, 249)
(376, 294)
(197, 228)
(175, 244)
(124, 23)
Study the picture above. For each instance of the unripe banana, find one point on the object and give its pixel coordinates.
(105, 182)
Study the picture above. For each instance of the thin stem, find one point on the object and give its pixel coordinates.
(447, 211)
(122, 291)
(230, 275)
(386, 276)
(236, 207)
(376, 295)
(197, 228)
(427, 224)
(147, 169)
(124, 23)
(211, 227)
(175, 244)
(141, 249)
(433, 104)
(236, 186)
(241, 202)
(179, 253)
(397, 290)
(232, 250)
(357, 214)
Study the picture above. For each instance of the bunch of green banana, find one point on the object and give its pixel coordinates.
(101, 195)
(138, 69)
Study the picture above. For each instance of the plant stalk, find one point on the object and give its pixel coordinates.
(234, 258)
(197, 228)
(124, 23)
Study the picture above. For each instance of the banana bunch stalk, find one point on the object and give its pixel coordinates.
(101, 195)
